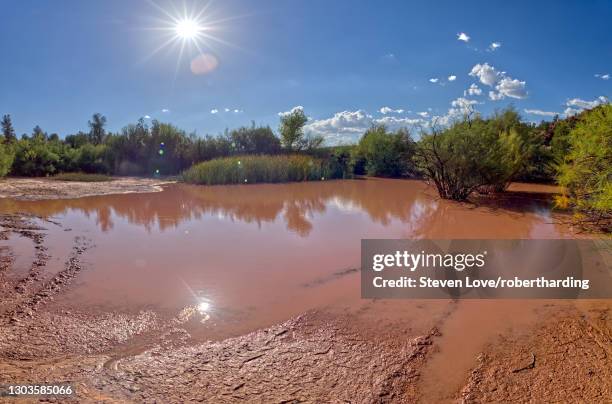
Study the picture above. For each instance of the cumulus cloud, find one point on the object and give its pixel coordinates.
(603, 76)
(349, 126)
(147, 117)
(459, 107)
(165, 110)
(423, 114)
(462, 36)
(292, 110)
(227, 109)
(214, 111)
(485, 73)
(577, 105)
(452, 77)
(238, 111)
(540, 112)
(571, 111)
(434, 80)
(504, 86)
(394, 123)
(508, 87)
(493, 96)
(389, 110)
(473, 90)
(494, 46)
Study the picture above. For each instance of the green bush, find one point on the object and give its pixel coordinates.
(257, 169)
(473, 155)
(6, 159)
(586, 172)
(36, 158)
(385, 154)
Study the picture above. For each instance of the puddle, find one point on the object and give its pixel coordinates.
(251, 256)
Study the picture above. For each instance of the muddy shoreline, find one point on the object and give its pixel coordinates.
(374, 352)
(33, 189)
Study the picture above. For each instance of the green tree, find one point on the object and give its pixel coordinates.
(7, 129)
(292, 132)
(586, 172)
(386, 154)
(6, 159)
(254, 140)
(473, 155)
(96, 128)
(38, 133)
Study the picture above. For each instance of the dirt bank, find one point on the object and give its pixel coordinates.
(42, 188)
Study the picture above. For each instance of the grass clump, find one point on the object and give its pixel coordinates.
(257, 169)
(82, 177)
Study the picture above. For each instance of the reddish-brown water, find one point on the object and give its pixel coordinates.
(239, 258)
(256, 254)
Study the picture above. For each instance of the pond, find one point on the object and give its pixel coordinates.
(248, 256)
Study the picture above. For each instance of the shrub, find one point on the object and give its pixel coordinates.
(472, 155)
(6, 159)
(586, 171)
(385, 154)
(257, 169)
(36, 157)
(254, 140)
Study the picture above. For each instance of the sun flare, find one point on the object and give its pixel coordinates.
(187, 29)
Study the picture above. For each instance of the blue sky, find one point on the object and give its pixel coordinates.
(342, 61)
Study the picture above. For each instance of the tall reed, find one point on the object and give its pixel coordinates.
(257, 169)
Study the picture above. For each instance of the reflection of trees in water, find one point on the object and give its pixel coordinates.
(295, 203)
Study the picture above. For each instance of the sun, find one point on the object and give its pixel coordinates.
(187, 28)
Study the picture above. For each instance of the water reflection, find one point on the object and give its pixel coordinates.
(294, 204)
(229, 260)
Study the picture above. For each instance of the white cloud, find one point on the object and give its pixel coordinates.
(485, 73)
(495, 96)
(508, 87)
(389, 110)
(214, 111)
(462, 36)
(147, 117)
(434, 80)
(582, 104)
(227, 109)
(473, 90)
(424, 114)
(452, 78)
(459, 107)
(571, 111)
(540, 112)
(343, 127)
(349, 126)
(494, 46)
(394, 123)
(238, 111)
(505, 86)
(292, 110)
(165, 110)
(603, 76)
(577, 105)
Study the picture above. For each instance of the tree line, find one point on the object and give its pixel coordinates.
(473, 155)
(141, 148)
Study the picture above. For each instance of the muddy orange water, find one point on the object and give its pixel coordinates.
(250, 256)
